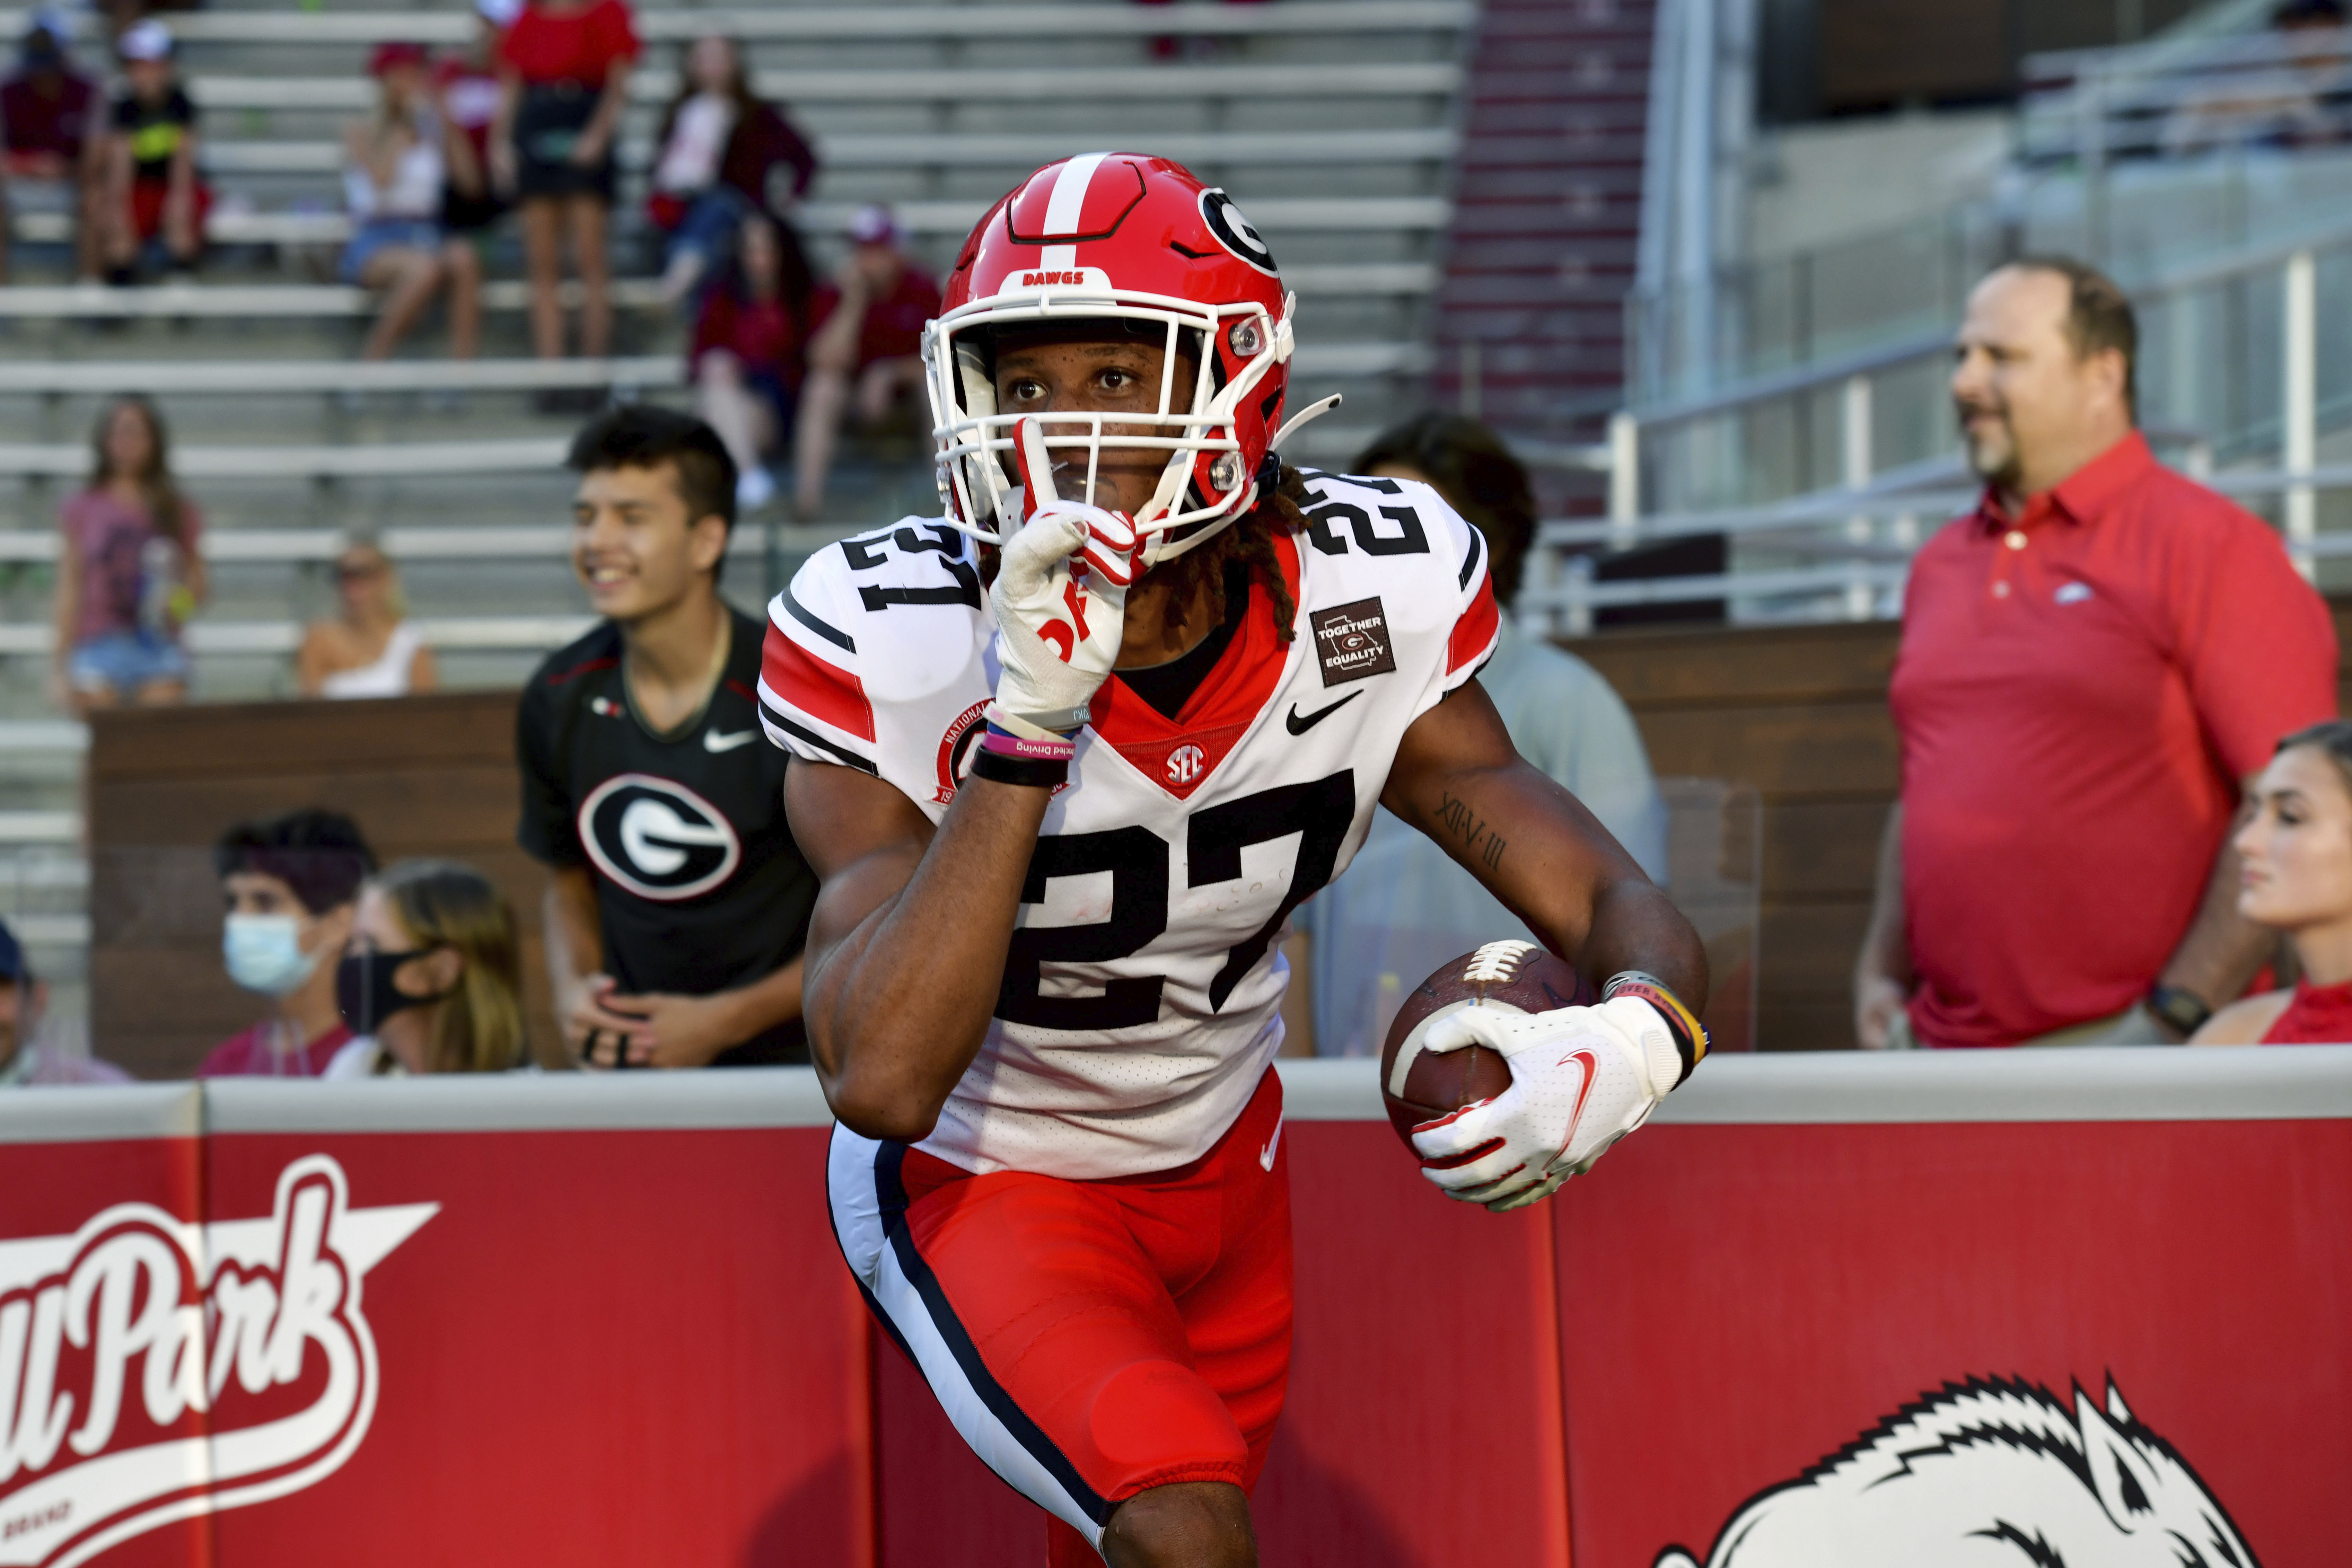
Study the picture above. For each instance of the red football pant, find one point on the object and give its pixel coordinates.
(1089, 1339)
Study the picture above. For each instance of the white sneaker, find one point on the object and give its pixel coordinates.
(753, 489)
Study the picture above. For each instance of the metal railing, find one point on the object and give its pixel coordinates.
(1824, 479)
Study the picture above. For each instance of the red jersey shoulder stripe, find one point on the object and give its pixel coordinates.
(821, 690)
(1475, 632)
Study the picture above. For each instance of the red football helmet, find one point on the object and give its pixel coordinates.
(1120, 236)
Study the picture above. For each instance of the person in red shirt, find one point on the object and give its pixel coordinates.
(746, 359)
(290, 886)
(2091, 663)
(49, 118)
(2296, 850)
(867, 335)
(564, 70)
(723, 154)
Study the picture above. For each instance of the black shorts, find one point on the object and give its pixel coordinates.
(547, 126)
(465, 214)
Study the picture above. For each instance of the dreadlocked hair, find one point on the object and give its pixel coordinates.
(1249, 546)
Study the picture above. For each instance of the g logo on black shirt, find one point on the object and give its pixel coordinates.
(658, 838)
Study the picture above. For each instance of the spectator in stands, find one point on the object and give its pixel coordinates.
(129, 572)
(49, 133)
(2300, 95)
(23, 998)
(371, 649)
(289, 884)
(2091, 663)
(724, 155)
(564, 65)
(1405, 907)
(397, 165)
(2296, 850)
(154, 194)
(677, 902)
(433, 980)
(867, 336)
(466, 86)
(747, 358)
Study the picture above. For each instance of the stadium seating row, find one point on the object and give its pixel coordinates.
(857, 24)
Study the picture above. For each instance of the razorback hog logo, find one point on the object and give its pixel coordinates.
(153, 1370)
(1983, 1473)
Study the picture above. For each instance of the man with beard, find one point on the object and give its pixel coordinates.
(2093, 660)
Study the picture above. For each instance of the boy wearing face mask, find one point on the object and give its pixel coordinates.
(289, 885)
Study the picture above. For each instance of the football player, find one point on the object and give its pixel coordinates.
(1093, 734)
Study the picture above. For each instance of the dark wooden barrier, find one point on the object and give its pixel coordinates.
(422, 776)
(1798, 711)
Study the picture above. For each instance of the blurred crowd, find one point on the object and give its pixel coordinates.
(516, 132)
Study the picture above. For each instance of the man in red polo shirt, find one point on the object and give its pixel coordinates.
(2092, 663)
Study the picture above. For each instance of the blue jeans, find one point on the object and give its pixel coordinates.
(125, 662)
(709, 225)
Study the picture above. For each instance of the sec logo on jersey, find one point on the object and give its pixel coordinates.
(658, 838)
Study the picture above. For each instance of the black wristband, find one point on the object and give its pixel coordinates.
(1689, 1035)
(1036, 772)
(2183, 1009)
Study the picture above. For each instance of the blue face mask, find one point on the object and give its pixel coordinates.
(264, 952)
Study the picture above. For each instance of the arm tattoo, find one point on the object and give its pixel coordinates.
(1454, 815)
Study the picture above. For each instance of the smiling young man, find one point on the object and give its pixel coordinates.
(677, 902)
(1067, 794)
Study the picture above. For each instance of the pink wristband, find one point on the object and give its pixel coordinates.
(1004, 743)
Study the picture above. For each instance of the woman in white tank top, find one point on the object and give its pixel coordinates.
(368, 649)
(395, 164)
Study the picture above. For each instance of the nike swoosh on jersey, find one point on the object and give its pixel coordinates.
(1266, 1154)
(719, 740)
(1297, 726)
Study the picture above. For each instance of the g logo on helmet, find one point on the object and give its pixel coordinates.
(1234, 232)
(658, 838)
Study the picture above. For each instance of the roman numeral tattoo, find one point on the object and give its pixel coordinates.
(1454, 815)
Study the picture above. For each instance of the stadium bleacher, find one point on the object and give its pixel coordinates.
(287, 444)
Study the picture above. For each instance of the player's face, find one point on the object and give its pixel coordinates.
(2296, 849)
(1112, 375)
(632, 544)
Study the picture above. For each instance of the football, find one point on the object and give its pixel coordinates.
(1419, 1085)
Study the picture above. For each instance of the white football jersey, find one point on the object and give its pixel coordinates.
(1140, 1002)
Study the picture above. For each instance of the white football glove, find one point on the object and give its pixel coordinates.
(1581, 1078)
(1060, 597)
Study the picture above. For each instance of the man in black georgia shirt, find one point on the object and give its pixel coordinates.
(676, 902)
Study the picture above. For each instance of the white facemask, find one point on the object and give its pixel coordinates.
(264, 952)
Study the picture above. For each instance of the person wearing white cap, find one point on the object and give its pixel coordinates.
(867, 334)
(153, 188)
